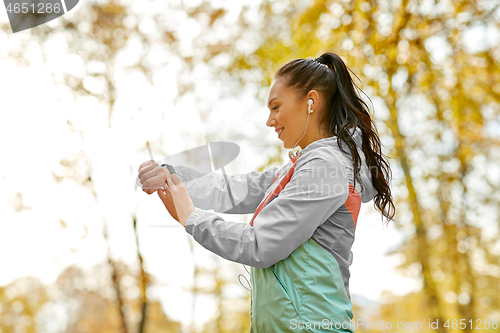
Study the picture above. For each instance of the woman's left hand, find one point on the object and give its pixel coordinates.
(182, 201)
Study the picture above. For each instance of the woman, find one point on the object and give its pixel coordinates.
(300, 237)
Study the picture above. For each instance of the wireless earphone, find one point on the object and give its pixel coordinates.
(309, 104)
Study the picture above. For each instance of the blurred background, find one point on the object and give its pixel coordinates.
(83, 249)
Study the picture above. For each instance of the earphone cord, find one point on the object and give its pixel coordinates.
(240, 275)
(304, 131)
(245, 279)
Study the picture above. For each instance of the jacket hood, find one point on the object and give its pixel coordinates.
(368, 192)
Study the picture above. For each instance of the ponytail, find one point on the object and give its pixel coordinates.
(344, 109)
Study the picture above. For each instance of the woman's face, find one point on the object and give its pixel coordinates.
(288, 115)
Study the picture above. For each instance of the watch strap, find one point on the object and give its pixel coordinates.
(170, 168)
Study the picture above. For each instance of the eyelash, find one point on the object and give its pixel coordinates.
(274, 108)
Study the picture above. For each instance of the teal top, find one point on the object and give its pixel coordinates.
(299, 247)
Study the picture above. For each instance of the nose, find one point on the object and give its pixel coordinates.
(271, 121)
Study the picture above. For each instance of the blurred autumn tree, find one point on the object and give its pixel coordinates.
(20, 301)
(438, 97)
(231, 312)
(77, 302)
(104, 43)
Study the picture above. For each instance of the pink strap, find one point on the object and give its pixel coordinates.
(353, 202)
(277, 190)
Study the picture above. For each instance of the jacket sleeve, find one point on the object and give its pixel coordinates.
(318, 187)
(211, 191)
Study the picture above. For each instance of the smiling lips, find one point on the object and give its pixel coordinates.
(279, 131)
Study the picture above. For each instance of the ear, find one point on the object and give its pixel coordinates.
(313, 94)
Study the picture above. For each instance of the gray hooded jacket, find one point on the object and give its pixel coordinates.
(312, 204)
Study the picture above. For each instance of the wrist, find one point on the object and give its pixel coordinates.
(168, 170)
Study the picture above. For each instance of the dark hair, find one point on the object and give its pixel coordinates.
(344, 109)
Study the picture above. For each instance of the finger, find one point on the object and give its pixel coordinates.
(153, 183)
(153, 178)
(153, 172)
(145, 169)
(176, 179)
(148, 190)
(144, 164)
(163, 197)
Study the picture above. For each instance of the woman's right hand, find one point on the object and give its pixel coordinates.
(152, 176)
(168, 201)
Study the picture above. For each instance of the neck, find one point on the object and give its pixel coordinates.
(311, 137)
